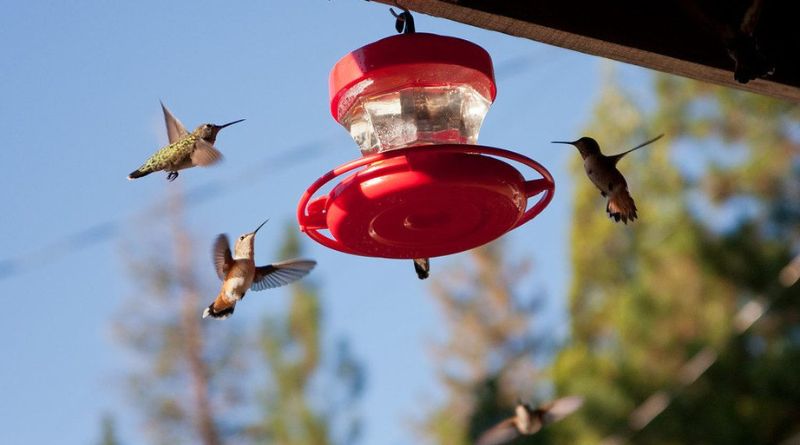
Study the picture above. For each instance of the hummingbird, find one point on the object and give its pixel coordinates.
(184, 150)
(528, 420)
(423, 267)
(239, 273)
(602, 171)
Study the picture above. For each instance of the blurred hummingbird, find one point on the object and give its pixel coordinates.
(184, 150)
(239, 273)
(528, 420)
(602, 171)
(423, 267)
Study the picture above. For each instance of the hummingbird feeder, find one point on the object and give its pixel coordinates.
(414, 103)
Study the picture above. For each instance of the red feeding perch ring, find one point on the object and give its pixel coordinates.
(414, 103)
(423, 201)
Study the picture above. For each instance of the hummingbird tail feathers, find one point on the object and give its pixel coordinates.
(219, 309)
(423, 267)
(137, 174)
(621, 206)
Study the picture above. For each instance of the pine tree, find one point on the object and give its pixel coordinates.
(108, 431)
(184, 370)
(646, 298)
(486, 363)
(294, 358)
(195, 381)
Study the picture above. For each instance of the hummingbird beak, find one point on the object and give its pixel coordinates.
(220, 127)
(563, 142)
(265, 221)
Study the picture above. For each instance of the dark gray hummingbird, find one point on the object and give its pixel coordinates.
(528, 420)
(423, 267)
(184, 150)
(602, 171)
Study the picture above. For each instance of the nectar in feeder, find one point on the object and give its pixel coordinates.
(414, 104)
(423, 115)
(413, 89)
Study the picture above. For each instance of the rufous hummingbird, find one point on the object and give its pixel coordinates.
(528, 420)
(602, 171)
(184, 149)
(239, 273)
(423, 267)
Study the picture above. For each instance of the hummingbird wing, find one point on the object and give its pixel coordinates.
(175, 129)
(614, 159)
(560, 408)
(280, 274)
(502, 433)
(205, 154)
(221, 254)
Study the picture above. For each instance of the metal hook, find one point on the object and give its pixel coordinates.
(404, 22)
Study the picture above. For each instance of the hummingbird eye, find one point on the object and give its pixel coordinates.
(241, 237)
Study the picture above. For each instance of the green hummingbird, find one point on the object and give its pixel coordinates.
(184, 150)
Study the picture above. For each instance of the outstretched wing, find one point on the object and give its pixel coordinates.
(615, 158)
(560, 408)
(280, 274)
(221, 254)
(499, 434)
(175, 129)
(205, 154)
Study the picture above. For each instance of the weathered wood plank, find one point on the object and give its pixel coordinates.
(693, 52)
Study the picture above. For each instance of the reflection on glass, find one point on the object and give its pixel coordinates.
(417, 116)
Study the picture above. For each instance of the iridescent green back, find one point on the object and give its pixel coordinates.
(170, 156)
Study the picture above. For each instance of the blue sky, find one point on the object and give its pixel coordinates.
(79, 88)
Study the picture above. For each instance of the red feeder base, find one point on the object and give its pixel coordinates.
(423, 201)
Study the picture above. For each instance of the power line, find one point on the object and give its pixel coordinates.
(691, 370)
(104, 231)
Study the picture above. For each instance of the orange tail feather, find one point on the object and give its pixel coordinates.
(219, 308)
(621, 206)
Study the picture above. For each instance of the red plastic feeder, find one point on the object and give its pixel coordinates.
(414, 103)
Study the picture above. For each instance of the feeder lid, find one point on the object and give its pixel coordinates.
(406, 60)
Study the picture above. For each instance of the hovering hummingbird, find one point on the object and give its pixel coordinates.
(602, 171)
(528, 420)
(423, 267)
(239, 273)
(184, 150)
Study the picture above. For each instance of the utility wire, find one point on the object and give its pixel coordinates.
(104, 231)
(101, 232)
(747, 316)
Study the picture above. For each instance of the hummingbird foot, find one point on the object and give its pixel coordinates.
(172, 176)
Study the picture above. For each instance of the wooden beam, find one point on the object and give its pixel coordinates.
(593, 45)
